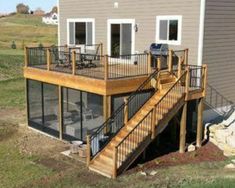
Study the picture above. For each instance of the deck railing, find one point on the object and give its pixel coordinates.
(90, 62)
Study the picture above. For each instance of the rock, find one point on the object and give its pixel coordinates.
(230, 166)
(143, 173)
(153, 173)
(221, 135)
(233, 161)
(228, 151)
(231, 141)
(191, 148)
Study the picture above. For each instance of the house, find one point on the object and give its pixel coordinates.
(102, 86)
(50, 18)
(38, 12)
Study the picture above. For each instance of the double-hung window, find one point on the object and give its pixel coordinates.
(169, 30)
(81, 31)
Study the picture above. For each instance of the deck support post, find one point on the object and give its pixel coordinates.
(126, 110)
(88, 150)
(159, 64)
(26, 57)
(186, 56)
(115, 157)
(199, 123)
(101, 49)
(187, 83)
(183, 128)
(48, 59)
(74, 62)
(60, 113)
(170, 60)
(106, 68)
(153, 123)
(106, 109)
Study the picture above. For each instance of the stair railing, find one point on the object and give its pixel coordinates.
(101, 137)
(146, 127)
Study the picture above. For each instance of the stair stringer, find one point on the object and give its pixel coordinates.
(160, 127)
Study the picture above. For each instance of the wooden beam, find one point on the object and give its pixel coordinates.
(199, 123)
(186, 56)
(205, 77)
(27, 102)
(106, 109)
(115, 158)
(170, 60)
(183, 129)
(74, 62)
(48, 59)
(88, 150)
(26, 57)
(106, 68)
(101, 49)
(60, 110)
(149, 63)
(153, 123)
(179, 67)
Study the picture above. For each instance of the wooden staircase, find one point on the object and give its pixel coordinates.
(151, 119)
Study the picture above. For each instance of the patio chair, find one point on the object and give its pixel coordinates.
(86, 113)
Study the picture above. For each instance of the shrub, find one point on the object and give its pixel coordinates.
(13, 45)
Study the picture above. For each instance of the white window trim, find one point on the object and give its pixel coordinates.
(176, 17)
(92, 20)
(120, 21)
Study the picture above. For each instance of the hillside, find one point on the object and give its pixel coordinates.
(25, 30)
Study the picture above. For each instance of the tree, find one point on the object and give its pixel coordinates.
(22, 8)
(54, 9)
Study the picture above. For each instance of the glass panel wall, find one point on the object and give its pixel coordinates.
(43, 107)
(82, 112)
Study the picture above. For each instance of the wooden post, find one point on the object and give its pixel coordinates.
(106, 68)
(48, 59)
(26, 57)
(115, 156)
(27, 101)
(170, 59)
(149, 63)
(187, 83)
(60, 110)
(205, 77)
(179, 67)
(153, 123)
(199, 123)
(88, 150)
(74, 62)
(159, 64)
(106, 109)
(125, 110)
(186, 56)
(183, 128)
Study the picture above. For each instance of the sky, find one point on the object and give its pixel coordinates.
(7, 6)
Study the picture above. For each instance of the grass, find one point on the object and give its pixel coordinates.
(17, 169)
(26, 30)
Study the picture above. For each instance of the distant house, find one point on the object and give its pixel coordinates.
(50, 18)
(39, 12)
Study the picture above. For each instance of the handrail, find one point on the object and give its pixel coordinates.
(140, 135)
(113, 124)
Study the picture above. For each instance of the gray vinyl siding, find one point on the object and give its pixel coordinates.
(144, 13)
(219, 46)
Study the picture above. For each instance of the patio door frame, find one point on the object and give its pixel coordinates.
(120, 21)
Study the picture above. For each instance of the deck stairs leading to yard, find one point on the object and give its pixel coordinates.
(151, 119)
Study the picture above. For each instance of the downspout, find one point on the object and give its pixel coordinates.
(58, 12)
(201, 32)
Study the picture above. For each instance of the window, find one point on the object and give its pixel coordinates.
(169, 29)
(81, 31)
